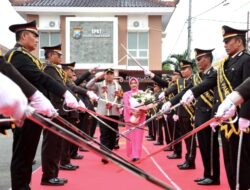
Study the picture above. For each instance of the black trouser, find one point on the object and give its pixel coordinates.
(92, 122)
(185, 125)
(209, 149)
(176, 133)
(66, 145)
(159, 132)
(73, 147)
(151, 129)
(25, 144)
(167, 130)
(87, 124)
(230, 152)
(51, 153)
(108, 137)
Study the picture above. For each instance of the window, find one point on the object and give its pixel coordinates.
(47, 39)
(138, 47)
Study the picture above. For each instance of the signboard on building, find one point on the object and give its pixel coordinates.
(91, 41)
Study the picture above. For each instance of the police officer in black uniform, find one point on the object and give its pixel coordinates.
(169, 92)
(26, 138)
(208, 141)
(186, 115)
(52, 144)
(231, 72)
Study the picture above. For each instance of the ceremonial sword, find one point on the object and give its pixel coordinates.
(5, 120)
(132, 57)
(183, 137)
(238, 161)
(73, 138)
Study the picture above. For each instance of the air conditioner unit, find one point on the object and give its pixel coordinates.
(136, 24)
(49, 22)
(52, 24)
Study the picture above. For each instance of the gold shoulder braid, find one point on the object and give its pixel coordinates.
(207, 96)
(36, 61)
(172, 94)
(60, 72)
(224, 89)
(181, 84)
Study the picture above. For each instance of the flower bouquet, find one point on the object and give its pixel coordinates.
(142, 101)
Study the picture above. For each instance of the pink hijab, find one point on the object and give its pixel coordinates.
(127, 96)
(137, 82)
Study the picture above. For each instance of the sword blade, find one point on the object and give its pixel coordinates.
(238, 161)
(73, 138)
(183, 137)
(5, 120)
(131, 56)
(107, 125)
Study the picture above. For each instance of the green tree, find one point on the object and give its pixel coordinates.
(169, 64)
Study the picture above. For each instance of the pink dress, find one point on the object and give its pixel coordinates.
(134, 146)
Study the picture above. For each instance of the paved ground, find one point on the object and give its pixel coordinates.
(5, 157)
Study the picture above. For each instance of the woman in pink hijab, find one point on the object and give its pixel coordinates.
(134, 146)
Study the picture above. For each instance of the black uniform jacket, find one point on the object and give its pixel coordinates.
(56, 100)
(11, 72)
(244, 89)
(200, 105)
(43, 82)
(237, 69)
(83, 77)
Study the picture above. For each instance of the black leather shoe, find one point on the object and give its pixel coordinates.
(77, 157)
(83, 150)
(53, 182)
(63, 179)
(104, 161)
(173, 156)
(168, 149)
(158, 143)
(69, 167)
(150, 139)
(187, 166)
(135, 159)
(178, 165)
(208, 181)
(199, 179)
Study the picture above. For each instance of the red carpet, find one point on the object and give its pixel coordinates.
(93, 175)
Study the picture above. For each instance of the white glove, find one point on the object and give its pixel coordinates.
(99, 75)
(70, 100)
(214, 125)
(161, 96)
(187, 98)
(166, 107)
(82, 106)
(92, 95)
(92, 71)
(149, 73)
(165, 117)
(226, 109)
(13, 102)
(120, 111)
(243, 124)
(175, 117)
(42, 105)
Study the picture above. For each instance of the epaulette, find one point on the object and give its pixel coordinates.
(247, 53)
(18, 49)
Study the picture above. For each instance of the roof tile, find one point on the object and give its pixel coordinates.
(97, 3)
